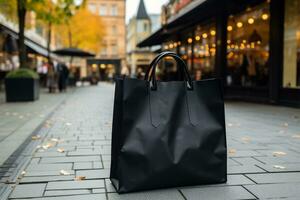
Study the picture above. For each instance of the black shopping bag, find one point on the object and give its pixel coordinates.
(167, 134)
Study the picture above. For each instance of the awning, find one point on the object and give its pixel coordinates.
(195, 12)
(32, 46)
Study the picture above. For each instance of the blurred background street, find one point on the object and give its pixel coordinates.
(59, 60)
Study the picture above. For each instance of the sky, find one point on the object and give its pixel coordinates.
(152, 6)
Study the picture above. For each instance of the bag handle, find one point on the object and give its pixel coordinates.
(157, 59)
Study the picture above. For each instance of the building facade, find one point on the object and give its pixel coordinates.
(254, 46)
(138, 28)
(110, 60)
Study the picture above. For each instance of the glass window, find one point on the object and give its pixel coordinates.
(204, 51)
(103, 51)
(114, 10)
(291, 67)
(114, 30)
(145, 26)
(92, 7)
(102, 10)
(248, 47)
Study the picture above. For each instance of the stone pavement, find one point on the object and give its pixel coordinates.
(18, 120)
(70, 157)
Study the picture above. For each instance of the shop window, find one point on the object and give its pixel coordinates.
(291, 67)
(248, 47)
(114, 10)
(102, 10)
(204, 51)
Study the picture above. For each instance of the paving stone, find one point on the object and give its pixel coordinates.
(109, 186)
(98, 165)
(275, 177)
(93, 174)
(65, 192)
(74, 197)
(83, 165)
(84, 152)
(100, 190)
(28, 191)
(49, 167)
(40, 179)
(85, 184)
(275, 191)
(70, 159)
(286, 167)
(170, 194)
(244, 169)
(47, 172)
(225, 192)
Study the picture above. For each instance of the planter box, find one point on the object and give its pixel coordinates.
(21, 89)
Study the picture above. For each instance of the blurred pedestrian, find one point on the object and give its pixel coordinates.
(63, 74)
(51, 77)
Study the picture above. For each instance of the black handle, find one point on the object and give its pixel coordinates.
(150, 74)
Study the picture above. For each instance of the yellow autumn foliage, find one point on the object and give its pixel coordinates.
(84, 30)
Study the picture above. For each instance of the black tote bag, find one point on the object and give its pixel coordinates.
(167, 134)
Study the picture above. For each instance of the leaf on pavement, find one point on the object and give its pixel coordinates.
(61, 150)
(278, 167)
(35, 137)
(64, 172)
(80, 178)
(232, 151)
(279, 153)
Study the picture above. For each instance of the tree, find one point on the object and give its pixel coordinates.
(51, 11)
(55, 12)
(84, 30)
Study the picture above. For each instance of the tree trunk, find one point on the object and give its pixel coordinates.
(49, 41)
(21, 42)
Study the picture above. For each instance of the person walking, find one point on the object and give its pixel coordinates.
(51, 77)
(63, 74)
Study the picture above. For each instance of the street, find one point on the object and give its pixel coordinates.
(67, 153)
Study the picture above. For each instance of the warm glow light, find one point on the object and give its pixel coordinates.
(213, 32)
(244, 41)
(166, 47)
(190, 40)
(175, 44)
(102, 66)
(239, 24)
(171, 46)
(94, 66)
(178, 43)
(250, 20)
(228, 41)
(204, 35)
(229, 28)
(197, 37)
(265, 16)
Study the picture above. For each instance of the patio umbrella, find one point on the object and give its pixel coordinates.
(74, 52)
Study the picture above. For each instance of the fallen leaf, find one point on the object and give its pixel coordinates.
(60, 150)
(47, 146)
(80, 178)
(279, 153)
(23, 173)
(64, 172)
(278, 167)
(296, 136)
(246, 139)
(36, 137)
(54, 139)
(232, 151)
(286, 124)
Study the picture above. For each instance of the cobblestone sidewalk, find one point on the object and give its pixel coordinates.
(70, 157)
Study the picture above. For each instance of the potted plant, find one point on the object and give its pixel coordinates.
(22, 85)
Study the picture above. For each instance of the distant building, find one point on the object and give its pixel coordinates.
(139, 28)
(111, 59)
(155, 22)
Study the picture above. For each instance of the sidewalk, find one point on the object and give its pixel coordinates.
(70, 157)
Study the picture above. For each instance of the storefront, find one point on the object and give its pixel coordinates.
(254, 46)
